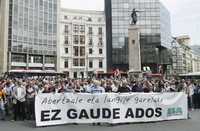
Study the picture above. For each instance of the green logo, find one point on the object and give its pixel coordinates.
(174, 111)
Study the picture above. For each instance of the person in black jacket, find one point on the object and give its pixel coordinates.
(195, 96)
(198, 96)
(124, 88)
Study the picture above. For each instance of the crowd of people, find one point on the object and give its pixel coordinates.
(17, 95)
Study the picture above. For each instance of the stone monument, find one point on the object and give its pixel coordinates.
(134, 46)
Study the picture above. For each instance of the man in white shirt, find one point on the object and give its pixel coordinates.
(19, 94)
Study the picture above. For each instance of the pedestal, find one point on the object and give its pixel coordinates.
(134, 49)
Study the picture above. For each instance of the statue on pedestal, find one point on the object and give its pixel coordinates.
(134, 16)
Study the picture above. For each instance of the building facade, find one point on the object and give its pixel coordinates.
(196, 57)
(32, 35)
(82, 43)
(155, 29)
(195, 63)
(3, 35)
(183, 57)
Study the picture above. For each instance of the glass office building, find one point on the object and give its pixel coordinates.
(32, 34)
(154, 24)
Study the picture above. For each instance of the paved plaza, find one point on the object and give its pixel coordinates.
(180, 125)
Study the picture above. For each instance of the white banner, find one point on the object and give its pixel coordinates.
(55, 109)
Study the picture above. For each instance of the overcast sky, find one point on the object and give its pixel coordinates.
(185, 14)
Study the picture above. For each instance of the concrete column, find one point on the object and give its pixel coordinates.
(9, 61)
(43, 62)
(4, 52)
(134, 48)
(27, 61)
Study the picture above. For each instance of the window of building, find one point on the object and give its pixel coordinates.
(100, 43)
(82, 51)
(66, 73)
(82, 39)
(90, 51)
(90, 64)
(66, 64)
(65, 17)
(75, 62)
(50, 28)
(49, 60)
(99, 19)
(66, 50)
(82, 29)
(74, 17)
(82, 74)
(66, 29)
(54, 28)
(82, 62)
(90, 41)
(89, 19)
(41, 4)
(76, 28)
(90, 31)
(45, 27)
(18, 58)
(66, 40)
(76, 51)
(100, 51)
(75, 39)
(100, 31)
(35, 59)
(100, 64)
(30, 59)
(75, 75)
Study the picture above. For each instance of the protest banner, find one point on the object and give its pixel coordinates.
(64, 108)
